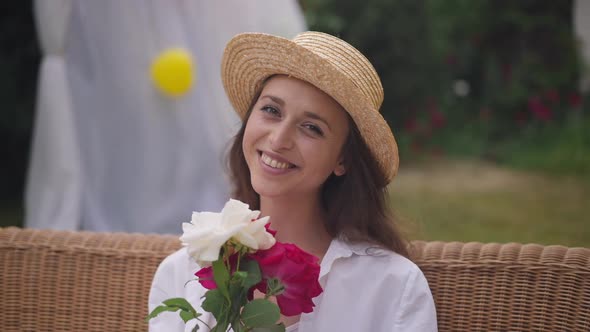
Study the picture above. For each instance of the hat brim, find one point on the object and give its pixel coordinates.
(250, 58)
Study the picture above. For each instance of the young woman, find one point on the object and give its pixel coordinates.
(315, 155)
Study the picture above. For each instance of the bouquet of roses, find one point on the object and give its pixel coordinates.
(237, 253)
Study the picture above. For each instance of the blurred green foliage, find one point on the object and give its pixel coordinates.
(479, 78)
(554, 148)
(395, 37)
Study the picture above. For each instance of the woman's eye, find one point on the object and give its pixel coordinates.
(270, 110)
(315, 129)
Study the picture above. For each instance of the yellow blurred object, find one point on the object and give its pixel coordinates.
(172, 72)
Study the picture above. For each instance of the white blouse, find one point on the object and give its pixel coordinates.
(365, 289)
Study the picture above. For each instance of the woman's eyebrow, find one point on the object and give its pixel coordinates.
(275, 99)
(317, 117)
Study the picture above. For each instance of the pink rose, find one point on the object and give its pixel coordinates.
(206, 278)
(297, 271)
(205, 274)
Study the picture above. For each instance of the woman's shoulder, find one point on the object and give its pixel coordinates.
(171, 280)
(369, 256)
(178, 264)
(399, 286)
(172, 276)
(380, 278)
(179, 256)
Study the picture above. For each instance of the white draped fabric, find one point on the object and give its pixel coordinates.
(110, 152)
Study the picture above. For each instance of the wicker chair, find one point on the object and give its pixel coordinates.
(83, 281)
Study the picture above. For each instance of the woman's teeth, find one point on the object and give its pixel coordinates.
(274, 163)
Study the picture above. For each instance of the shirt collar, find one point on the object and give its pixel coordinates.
(339, 249)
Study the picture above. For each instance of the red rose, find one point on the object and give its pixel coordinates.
(207, 280)
(297, 271)
(205, 274)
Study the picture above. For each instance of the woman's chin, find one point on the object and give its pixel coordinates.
(268, 191)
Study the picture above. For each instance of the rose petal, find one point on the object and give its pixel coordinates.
(297, 270)
(207, 232)
(205, 276)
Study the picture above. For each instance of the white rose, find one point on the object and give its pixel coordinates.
(207, 232)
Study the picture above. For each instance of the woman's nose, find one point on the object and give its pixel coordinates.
(281, 136)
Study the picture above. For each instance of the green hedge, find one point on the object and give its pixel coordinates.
(466, 77)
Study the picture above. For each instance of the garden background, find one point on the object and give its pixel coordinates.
(483, 97)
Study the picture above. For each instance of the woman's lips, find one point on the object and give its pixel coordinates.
(275, 164)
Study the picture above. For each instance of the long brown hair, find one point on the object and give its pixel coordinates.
(355, 203)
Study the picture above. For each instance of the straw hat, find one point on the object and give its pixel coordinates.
(323, 60)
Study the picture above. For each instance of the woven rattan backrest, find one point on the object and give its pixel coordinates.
(81, 281)
(77, 281)
(507, 287)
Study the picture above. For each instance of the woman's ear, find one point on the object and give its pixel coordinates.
(340, 169)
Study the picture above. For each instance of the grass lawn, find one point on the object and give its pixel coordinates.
(474, 201)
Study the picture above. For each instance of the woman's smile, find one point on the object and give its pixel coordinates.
(274, 163)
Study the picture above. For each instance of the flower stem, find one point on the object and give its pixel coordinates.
(226, 257)
(202, 321)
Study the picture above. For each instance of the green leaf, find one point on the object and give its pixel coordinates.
(181, 303)
(187, 312)
(187, 315)
(221, 277)
(254, 275)
(274, 328)
(214, 303)
(237, 294)
(274, 287)
(239, 275)
(260, 313)
(158, 310)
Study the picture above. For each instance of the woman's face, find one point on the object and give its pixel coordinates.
(293, 139)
